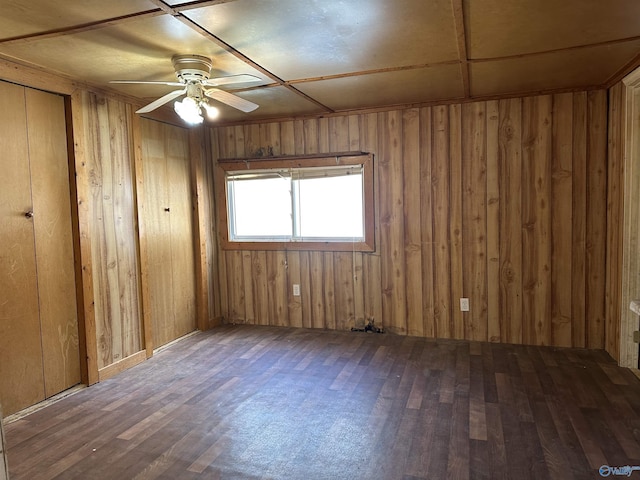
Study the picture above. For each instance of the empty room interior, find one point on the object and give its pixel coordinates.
(305, 239)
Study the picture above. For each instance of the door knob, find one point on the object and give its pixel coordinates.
(167, 209)
(28, 214)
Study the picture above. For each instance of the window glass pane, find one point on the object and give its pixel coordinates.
(331, 207)
(261, 207)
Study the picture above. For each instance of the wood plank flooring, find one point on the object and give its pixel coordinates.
(242, 402)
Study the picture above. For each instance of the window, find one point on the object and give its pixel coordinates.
(303, 204)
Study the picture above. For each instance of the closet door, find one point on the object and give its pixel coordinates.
(21, 374)
(46, 130)
(181, 228)
(157, 231)
(168, 226)
(39, 351)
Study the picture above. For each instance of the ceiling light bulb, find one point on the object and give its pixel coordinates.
(212, 112)
(189, 111)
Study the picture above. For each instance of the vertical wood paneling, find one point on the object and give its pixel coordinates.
(493, 222)
(579, 220)
(316, 273)
(391, 221)
(561, 212)
(251, 145)
(294, 301)
(247, 287)
(235, 270)
(323, 135)
(412, 221)
(113, 236)
(615, 193)
(78, 104)
(358, 266)
(328, 289)
(597, 219)
(456, 260)
(339, 134)
(277, 295)
(343, 264)
(474, 188)
(201, 197)
(287, 138)
(486, 200)
(536, 239)
(385, 212)
(298, 137)
(217, 141)
(372, 282)
(441, 241)
(311, 136)
(426, 223)
(510, 177)
(305, 290)
(260, 287)
(208, 234)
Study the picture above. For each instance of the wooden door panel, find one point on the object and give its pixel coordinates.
(181, 224)
(21, 377)
(156, 228)
(53, 240)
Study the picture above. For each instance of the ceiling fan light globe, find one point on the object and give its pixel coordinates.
(212, 112)
(189, 111)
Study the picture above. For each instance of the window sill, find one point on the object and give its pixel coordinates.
(301, 246)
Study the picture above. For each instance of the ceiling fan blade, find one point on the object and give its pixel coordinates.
(231, 100)
(243, 78)
(172, 84)
(162, 100)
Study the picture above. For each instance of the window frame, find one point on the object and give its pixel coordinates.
(367, 244)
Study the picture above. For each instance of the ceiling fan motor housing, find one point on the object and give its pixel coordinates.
(191, 68)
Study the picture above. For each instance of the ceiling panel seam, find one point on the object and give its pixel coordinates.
(85, 27)
(221, 43)
(461, 37)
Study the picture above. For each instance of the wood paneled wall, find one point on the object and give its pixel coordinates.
(207, 248)
(108, 234)
(503, 202)
(615, 215)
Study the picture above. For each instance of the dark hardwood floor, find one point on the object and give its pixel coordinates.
(243, 402)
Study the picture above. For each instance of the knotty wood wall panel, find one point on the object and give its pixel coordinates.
(536, 219)
(510, 220)
(596, 219)
(503, 202)
(615, 214)
(103, 130)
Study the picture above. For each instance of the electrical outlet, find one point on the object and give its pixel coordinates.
(464, 304)
(296, 290)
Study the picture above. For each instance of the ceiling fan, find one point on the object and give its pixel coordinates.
(193, 72)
